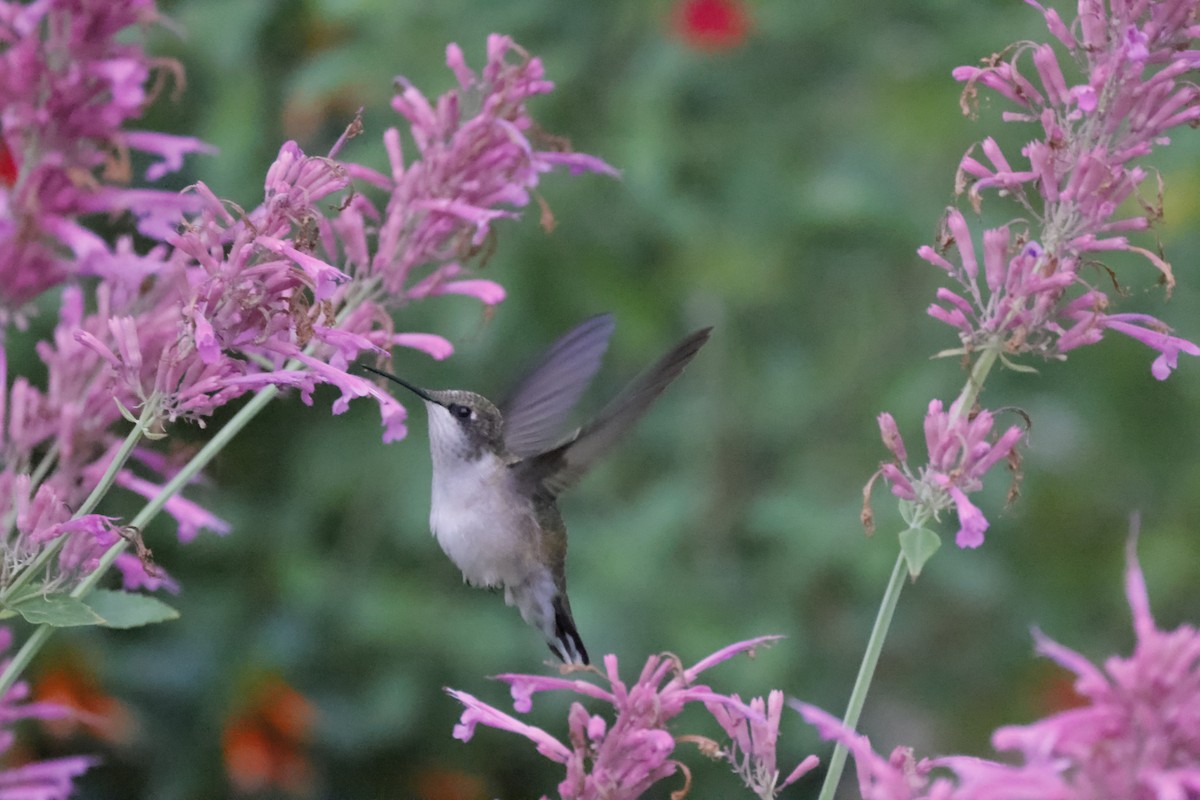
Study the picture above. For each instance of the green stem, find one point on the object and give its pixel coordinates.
(44, 465)
(979, 372)
(239, 420)
(149, 411)
(198, 462)
(866, 672)
(181, 479)
(21, 660)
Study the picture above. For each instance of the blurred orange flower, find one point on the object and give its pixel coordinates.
(264, 745)
(72, 685)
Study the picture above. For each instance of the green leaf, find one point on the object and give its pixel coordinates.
(918, 545)
(128, 609)
(125, 412)
(59, 610)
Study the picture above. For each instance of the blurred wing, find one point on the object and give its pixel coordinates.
(560, 468)
(537, 407)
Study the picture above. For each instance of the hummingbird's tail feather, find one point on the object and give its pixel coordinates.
(566, 644)
(544, 605)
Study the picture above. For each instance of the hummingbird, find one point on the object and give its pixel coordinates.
(498, 471)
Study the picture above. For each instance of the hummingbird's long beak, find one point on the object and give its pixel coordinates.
(417, 390)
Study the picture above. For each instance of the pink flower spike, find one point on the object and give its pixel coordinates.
(957, 225)
(970, 518)
(891, 436)
(477, 711)
(134, 575)
(1168, 346)
(393, 416)
(487, 292)
(726, 653)
(803, 768)
(206, 340)
(523, 687)
(960, 303)
(995, 256)
(1135, 587)
(577, 163)
(95, 345)
(1051, 75)
(933, 257)
(190, 516)
(900, 485)
(952, 317)
(992, 150)
(1085, 98)
(458, 65)
(324, 278)
(171, 149)
(437, 347)
(1057, 27)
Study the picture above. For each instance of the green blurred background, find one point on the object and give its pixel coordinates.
(776, 190)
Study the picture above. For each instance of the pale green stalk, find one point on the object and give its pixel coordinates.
(866, 671)
(198, 462)
(42, 633)
(979, 372)
(891, 596)
(181, 479)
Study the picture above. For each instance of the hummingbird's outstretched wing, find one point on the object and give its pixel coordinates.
(561, 467)
(537, 407)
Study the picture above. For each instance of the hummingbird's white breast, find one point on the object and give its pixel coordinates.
(486, 528)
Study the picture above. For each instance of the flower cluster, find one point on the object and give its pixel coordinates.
(622, 759)
(1137, 735)
(51, 779)
(221, 302)
(960, 454)
(752, 741)
(1034, 295)
(70, 80)
(1028, 291)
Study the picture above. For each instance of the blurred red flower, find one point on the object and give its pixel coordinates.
(711, 25)
(8, 166)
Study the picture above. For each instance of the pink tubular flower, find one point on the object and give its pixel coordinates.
(1033, 294)
(960, 454)
(622, 759)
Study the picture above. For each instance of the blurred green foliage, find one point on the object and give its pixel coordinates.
(777, 191)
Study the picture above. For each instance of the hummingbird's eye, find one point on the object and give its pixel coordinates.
(460, 411)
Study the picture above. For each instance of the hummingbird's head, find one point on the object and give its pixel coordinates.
(462, 425)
